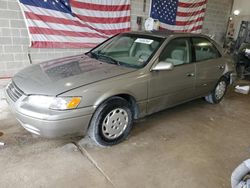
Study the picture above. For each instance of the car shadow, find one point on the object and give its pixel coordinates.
(199, 109)
(148, 122)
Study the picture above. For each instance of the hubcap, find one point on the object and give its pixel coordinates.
(115, 123)
(220, 90)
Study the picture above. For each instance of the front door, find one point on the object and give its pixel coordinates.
(169, 88)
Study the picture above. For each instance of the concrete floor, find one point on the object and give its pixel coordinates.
(193, 145)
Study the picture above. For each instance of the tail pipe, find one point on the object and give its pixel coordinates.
(239, 174)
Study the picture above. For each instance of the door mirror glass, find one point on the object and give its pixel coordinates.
(162, 65)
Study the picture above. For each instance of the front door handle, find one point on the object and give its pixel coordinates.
(190, 75)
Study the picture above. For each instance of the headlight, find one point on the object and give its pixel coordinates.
(65, 103)
(55, 103)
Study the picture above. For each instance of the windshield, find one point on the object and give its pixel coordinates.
(127, 50)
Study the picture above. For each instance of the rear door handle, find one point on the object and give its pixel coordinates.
(221, 66)
(190, 75)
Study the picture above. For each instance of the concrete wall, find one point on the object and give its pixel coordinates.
(216, 19)
(14, 41)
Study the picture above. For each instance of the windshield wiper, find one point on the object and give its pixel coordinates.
(108, 59)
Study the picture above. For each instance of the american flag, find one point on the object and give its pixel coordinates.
(74, 23)
(179, 15)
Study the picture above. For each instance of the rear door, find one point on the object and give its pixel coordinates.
(209, 65)
(168, 88)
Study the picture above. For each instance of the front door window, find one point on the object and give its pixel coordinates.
(177, 52)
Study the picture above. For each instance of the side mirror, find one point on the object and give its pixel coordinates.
(163, 66)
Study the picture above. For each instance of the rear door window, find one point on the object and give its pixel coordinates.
(204, 49)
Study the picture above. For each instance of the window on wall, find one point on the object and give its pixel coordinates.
(204, 49)
(177, 52)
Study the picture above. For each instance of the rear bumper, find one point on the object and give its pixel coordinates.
(51, 124)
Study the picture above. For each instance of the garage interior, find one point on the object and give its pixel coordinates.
(191, 145)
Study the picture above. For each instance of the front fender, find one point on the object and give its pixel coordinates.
(113, 93)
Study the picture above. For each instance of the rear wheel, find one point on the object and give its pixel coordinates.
(112, 122)
(218, 93)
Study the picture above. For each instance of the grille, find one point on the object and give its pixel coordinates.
(14, 92)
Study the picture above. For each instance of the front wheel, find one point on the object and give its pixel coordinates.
(218, 93)
(111, 123)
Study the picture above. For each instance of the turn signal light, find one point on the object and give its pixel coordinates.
(73, 103)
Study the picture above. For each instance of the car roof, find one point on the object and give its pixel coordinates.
(166, 34)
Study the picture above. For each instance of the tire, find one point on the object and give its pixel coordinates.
(111, 122)
(215, 96)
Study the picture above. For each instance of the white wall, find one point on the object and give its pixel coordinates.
(244, 7)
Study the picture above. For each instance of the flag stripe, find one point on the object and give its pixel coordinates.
(107, 14)
(189, 18)
(188, 14)
(191, 1)
(195, 29)
(189, 22)
(192, 5)
(103, 20)
(190, 9)
(104, 2)
(58, 38)
(61, 61)
(51, 63)
(49, 44)
(48, 31)
(107, 26)
(99, 7)
(181, 28)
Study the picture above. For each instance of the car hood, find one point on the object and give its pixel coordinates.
(60, 75)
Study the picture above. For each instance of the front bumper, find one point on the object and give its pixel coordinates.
(56, 128)
(233, 77)
(51, 124)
